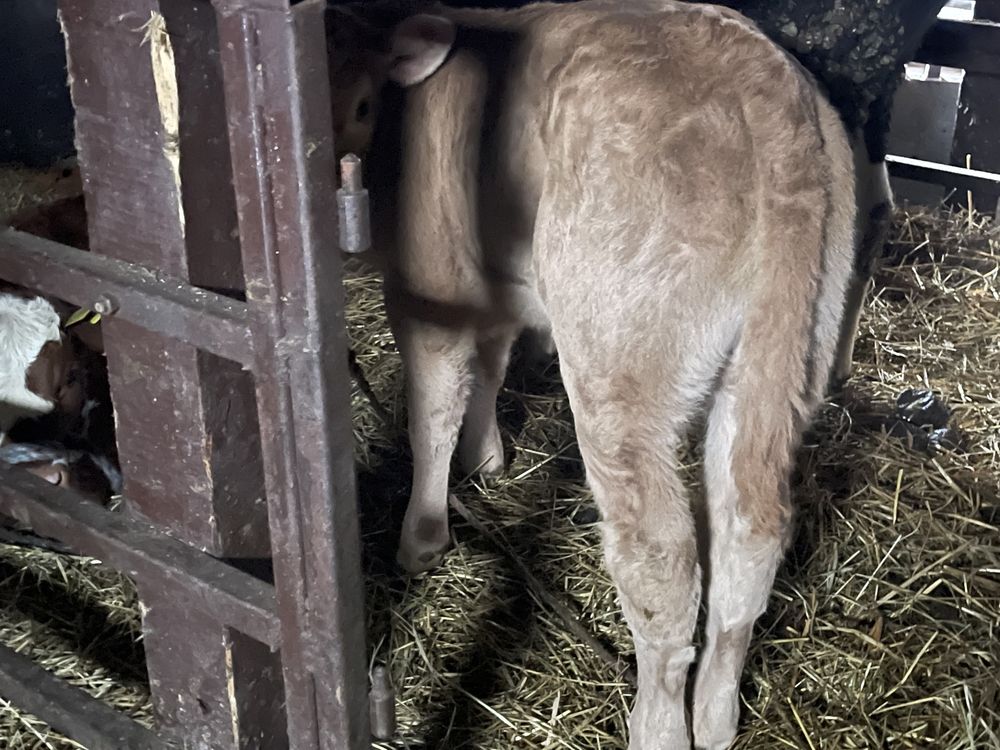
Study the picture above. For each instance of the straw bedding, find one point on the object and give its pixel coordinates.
(882, 628)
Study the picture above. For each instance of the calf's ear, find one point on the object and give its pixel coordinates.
(419, 45)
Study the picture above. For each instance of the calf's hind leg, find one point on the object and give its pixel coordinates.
(749, 449)
(650, 551)
(480, 448)
(874, 196)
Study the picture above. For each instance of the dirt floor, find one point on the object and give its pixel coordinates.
(882, 629)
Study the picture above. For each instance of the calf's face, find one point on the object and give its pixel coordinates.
(55, 377)
(363, 58)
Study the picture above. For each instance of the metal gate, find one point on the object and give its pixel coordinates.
(204, 137)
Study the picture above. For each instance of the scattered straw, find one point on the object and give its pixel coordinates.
(882, 629)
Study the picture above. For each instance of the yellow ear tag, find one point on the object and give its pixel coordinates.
(76, 317)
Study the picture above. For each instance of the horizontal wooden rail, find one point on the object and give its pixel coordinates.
(971, 45)
(198, 580)
(170, 307)
(67, 708)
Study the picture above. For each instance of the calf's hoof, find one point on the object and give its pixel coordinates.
(723, 744)
(663, 738)
(422, 546)
(658, 722)
(715, 720)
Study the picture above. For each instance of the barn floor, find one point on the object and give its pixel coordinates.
(882, 630)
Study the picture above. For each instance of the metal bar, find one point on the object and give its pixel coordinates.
(971, 45)
(941, 174)
(280, 132)
(69, 709)
(169, 307)
(231, 597)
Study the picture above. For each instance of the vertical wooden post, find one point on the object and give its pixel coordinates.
(280, 131)
(154, 161)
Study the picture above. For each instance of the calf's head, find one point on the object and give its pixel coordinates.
(33, 360)
(370, 45)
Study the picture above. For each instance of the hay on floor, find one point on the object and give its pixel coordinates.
(882, 628)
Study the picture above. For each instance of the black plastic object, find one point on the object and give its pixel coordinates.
(922, 408)
(36, 115)
(949, 439)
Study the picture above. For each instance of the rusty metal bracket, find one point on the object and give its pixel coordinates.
(352, 208)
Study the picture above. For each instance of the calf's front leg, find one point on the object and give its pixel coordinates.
(436, 361)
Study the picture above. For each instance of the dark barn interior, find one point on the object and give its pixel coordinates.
(197, 547)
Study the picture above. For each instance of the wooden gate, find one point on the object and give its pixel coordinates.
(203, 131)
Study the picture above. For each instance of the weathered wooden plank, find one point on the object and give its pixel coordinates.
(280, 131)
(68, 709)
(134, 214)
(207, 320)
(155, 199)
(234, 699)
(229, 596)
(211, 228)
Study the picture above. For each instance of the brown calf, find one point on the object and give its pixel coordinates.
(670, 193)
